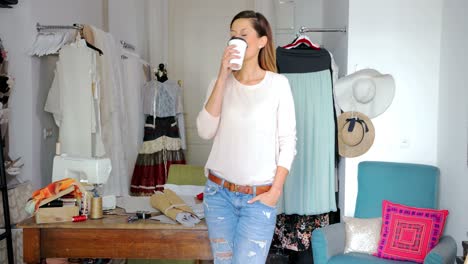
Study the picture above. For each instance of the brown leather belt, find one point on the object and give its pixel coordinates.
(239, 188)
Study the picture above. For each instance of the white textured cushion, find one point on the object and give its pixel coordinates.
(362, 234)
(17, 198)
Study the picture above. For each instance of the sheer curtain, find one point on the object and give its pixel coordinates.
(157, 12)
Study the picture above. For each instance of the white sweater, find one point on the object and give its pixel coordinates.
(255, 133)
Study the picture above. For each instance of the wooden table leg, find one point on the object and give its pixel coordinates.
(31, 245)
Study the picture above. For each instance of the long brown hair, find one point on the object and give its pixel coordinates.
(267, 55)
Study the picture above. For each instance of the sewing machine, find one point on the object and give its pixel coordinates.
(86, 170)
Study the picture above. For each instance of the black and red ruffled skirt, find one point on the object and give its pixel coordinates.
(161, 147)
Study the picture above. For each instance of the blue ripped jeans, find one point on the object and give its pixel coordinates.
(239, 232)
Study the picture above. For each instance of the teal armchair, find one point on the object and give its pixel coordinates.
(410, 184)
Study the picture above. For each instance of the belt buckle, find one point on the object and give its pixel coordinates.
(233, 187)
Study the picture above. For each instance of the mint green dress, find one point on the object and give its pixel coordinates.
(310, 187)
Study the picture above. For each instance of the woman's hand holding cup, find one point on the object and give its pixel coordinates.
(233, 57)
(230, 53)
(240, 45)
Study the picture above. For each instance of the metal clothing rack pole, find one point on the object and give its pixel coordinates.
(40, 27)
(306, 29)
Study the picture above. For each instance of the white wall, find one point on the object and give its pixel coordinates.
(335, 15)
(17, 29)
(401, 38)
(453, 119)
(307, 13)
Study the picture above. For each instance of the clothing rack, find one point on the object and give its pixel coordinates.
(126, 45)
(7, 235)
(306, 29)
(40, 27)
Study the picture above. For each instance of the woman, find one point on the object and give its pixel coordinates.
(250, 114)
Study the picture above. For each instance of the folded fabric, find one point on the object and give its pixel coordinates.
(198, 210)
(188, 193)
(174, 207)
(132, 204)
(53, 191)
(187, 219)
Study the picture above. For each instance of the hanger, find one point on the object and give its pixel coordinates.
(89, 45)
(302, 39)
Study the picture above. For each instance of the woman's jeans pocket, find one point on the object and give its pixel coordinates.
(211, 188)
(266, 205)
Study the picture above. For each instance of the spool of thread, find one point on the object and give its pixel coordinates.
(79, 218)
(58, 150)
(96, 208)
(143, 214)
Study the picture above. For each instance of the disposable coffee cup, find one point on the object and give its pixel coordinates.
(240, 45)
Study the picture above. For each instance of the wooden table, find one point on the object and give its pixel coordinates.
(113, 237)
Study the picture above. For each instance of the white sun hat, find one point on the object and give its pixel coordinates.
(366, 91)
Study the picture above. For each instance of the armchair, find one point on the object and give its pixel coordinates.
(410, 184)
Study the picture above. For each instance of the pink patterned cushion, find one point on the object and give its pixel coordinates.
(409, 233)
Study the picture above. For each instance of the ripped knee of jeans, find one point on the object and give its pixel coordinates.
(259, 246)
(222, 250)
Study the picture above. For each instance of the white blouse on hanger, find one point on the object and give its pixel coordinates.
(73, 101)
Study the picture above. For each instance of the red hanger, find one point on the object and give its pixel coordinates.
(302, 39)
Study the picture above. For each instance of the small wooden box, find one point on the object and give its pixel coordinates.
(56, 214)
